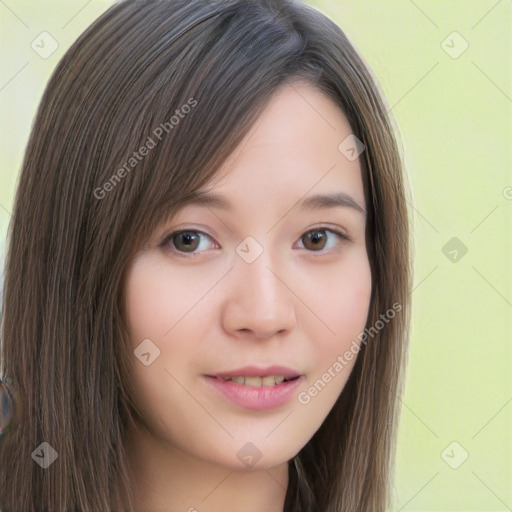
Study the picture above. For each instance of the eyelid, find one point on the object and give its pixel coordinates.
(335, 229)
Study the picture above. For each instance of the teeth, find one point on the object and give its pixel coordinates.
(253, 381)
(267, 381)
(257, 382)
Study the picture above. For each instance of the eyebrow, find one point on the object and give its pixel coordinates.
(313, 202)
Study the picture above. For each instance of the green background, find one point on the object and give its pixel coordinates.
(454, 116)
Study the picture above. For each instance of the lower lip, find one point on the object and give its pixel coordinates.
(249, 397)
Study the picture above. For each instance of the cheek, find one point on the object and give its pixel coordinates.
(156, 303)
(342, 305)
(156, 300)
(339, 298)
(350, 298)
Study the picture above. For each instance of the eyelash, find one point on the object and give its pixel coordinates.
(168, 239)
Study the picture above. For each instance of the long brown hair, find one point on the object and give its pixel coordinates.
(79, 218)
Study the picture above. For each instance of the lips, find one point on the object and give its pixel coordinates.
(256, 397)
(256, 388)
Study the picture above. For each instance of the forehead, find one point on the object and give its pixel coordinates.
(290, 154)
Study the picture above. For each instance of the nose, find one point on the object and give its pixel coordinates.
(259, 301)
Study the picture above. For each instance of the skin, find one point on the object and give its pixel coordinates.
(298, 304)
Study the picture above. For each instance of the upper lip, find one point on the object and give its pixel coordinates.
(253, 371)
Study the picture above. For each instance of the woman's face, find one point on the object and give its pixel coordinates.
(259, 286)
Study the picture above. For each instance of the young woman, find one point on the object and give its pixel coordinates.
(206, 289)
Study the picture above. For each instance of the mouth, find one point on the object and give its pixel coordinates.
(256, 388)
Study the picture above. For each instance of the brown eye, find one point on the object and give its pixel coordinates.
(185, 241)
(314, 240)
(317, 239)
